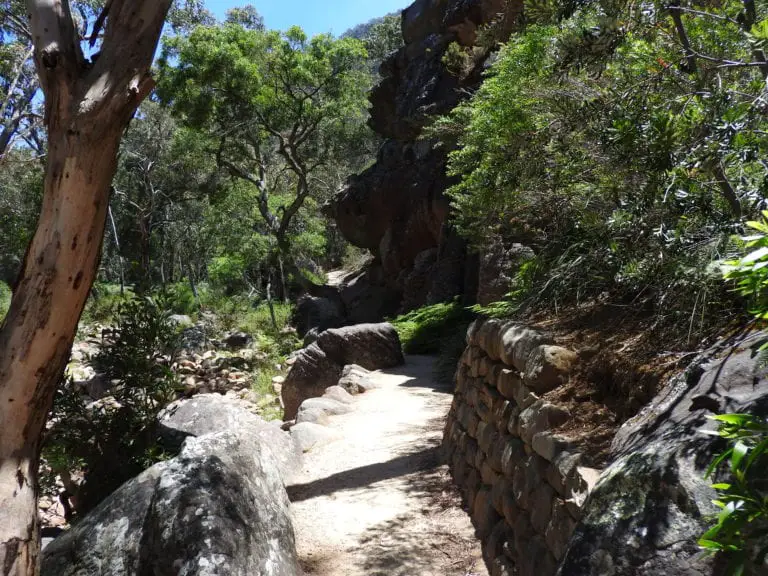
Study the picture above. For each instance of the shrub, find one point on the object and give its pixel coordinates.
(750, 272)
(227, 272)
(437, 329)
(103, 303)
(422, 331)
(742, 526)
(181, 300)
(114, 439)
(5, 299)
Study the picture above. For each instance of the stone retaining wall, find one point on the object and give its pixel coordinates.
(522, 481)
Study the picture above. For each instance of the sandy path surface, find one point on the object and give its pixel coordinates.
(377, 501)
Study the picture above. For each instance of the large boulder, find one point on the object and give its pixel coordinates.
(651, 504)
(320, 365)
(372, 346)
(209, 413)
(320, 312)
(310, 375)
(218, 508)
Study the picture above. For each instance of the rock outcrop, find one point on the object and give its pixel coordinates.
(540, 510)
(219, 507)
(321, 364)
(397, 208)
(652, 503)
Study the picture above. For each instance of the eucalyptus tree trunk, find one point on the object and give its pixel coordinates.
(87, 107)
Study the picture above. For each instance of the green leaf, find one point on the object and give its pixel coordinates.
(739, 451)
(732, 418)
(716, 463)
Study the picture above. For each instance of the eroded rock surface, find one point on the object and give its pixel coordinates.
(397, 208)
(321, 365)
(218, 508)
(652, 503)
(211, 413)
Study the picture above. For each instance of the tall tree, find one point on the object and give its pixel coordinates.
(88, 104)
(272, 106)
(18, 81)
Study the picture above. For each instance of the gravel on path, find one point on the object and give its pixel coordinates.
(378, 501)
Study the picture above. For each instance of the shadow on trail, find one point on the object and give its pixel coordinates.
(422, 461)
(419, 373)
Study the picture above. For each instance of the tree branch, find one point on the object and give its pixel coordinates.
(58, 56)
(690, 57)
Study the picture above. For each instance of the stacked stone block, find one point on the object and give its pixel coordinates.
(522, 481)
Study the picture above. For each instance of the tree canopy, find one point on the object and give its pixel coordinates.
(278, 111)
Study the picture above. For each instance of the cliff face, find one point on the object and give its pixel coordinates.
(397, 208)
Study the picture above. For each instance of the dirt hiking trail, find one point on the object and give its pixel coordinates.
(377, 501)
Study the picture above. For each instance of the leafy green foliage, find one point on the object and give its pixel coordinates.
(21, 186)
(381, 37)
(625, 174)
(422, 331)
(5, 299)
(437, 329)
(283, 116)
(742, 526)
(103, 304)
(750, 272)
(114, 439)
(458, 59)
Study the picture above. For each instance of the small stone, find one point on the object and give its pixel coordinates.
(502, 566)
(484, 366)
(488, 474)
(493, 374)
(509, 508)
(548, 367)
(488, 337)
(471, 451)
(498, 491)
(471, 487)
(309, 435)
(539, 417)
(528, 477)
(549, 445)
(514, 420)
(487, 436)
(508, 383)
(502, 414)
(579, 484)
(479, 460)
(328, 405)
(496, 453)
(236, 340)
(493, 545)
(473, 423)
(338, 394)
(560, 529)
(517, 342)
(541, 507)
(484, 514)
(513, 454)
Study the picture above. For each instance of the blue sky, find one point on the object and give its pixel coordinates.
(314, 16)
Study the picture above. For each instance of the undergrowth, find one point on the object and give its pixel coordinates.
(437, 329)
(114, 439)
(5, 299)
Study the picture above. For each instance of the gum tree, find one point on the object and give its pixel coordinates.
(88, 104)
